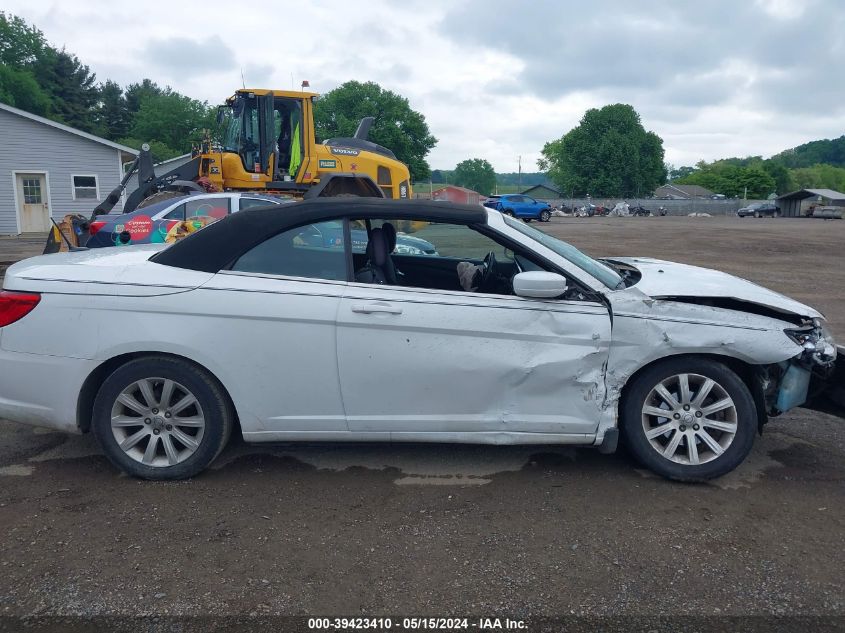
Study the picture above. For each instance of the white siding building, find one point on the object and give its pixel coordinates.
(49, 169)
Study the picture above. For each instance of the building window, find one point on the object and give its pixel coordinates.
(85, 188)
(31, 191)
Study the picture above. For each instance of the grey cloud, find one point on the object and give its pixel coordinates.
(257, 75)
(178, 56)
(662, 50)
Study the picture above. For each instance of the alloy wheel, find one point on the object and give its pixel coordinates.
(157, 422)
(689, 419)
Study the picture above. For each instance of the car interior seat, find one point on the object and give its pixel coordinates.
(379, 268)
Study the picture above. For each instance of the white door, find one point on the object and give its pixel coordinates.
(277, 308)
(421, 361)
(33, 209)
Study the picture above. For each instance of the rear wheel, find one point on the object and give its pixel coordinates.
(757, 214)
(689, 419)
(161, 418)
(508, 212)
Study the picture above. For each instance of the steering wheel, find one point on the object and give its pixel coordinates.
(487, 274)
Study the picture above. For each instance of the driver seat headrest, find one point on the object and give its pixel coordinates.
(389, 232)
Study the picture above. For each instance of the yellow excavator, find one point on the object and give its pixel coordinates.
(265, 141)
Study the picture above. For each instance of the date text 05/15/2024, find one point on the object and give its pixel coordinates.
(416, 624)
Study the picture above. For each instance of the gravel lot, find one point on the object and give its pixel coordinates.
(454, 530)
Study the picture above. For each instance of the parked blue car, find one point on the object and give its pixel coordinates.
(520, 206)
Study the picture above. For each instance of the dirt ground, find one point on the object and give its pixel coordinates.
(448, 530)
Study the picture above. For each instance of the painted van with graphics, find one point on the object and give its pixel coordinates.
(159, 222)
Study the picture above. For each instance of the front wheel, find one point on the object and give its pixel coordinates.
(161, 418)
(545, 216)
(689, 419)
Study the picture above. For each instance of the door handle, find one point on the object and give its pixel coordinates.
(370, 308)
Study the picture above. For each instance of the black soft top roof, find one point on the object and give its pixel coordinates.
(219, 244)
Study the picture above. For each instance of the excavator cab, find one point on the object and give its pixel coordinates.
(266, 133)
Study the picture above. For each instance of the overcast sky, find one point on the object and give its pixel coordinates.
(497, 79)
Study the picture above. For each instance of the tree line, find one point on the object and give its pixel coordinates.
(814, 165)
(42, 79)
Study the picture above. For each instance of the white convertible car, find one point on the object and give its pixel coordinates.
(268, 322)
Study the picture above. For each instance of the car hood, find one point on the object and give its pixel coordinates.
(662, 279)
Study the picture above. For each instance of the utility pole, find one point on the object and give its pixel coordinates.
(519, 177)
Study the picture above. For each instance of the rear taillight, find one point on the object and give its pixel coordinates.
(16, 305)
(95, 226)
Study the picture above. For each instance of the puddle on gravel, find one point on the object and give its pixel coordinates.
(16, 470)
(427, 464)
(419, 464)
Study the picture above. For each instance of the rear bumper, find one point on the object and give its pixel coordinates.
(828, 394)
(42, 390)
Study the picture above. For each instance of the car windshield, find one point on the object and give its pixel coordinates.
(597, 269)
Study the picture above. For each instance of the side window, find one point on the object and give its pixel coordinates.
(176, 214)
(217, 208)
(85, 188)
(251, 203)
(314, 251)
(433, 255)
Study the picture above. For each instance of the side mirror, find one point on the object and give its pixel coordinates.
(538, 284)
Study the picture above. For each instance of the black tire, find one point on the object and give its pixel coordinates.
(508, 212)
(757, 214)
(213, 405)
(545, 216)
(634, 435)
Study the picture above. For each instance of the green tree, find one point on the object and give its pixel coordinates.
(819, 177)
(21, 45)
(680, 172)
(71, 86)
(396, 127)
(137, 92)
(172, 119)
(476, 174)
(830, 151)
(19, 88)
(729, 178)
(781, 176)
(112, 115)
(159, 150)
(608, 154)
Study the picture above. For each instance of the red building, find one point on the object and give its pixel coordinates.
(453, 193)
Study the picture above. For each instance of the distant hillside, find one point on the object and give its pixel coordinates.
(827, 151)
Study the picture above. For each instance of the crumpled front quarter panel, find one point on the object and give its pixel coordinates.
(646, 330)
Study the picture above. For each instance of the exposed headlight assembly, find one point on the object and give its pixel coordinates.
(816, 339)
